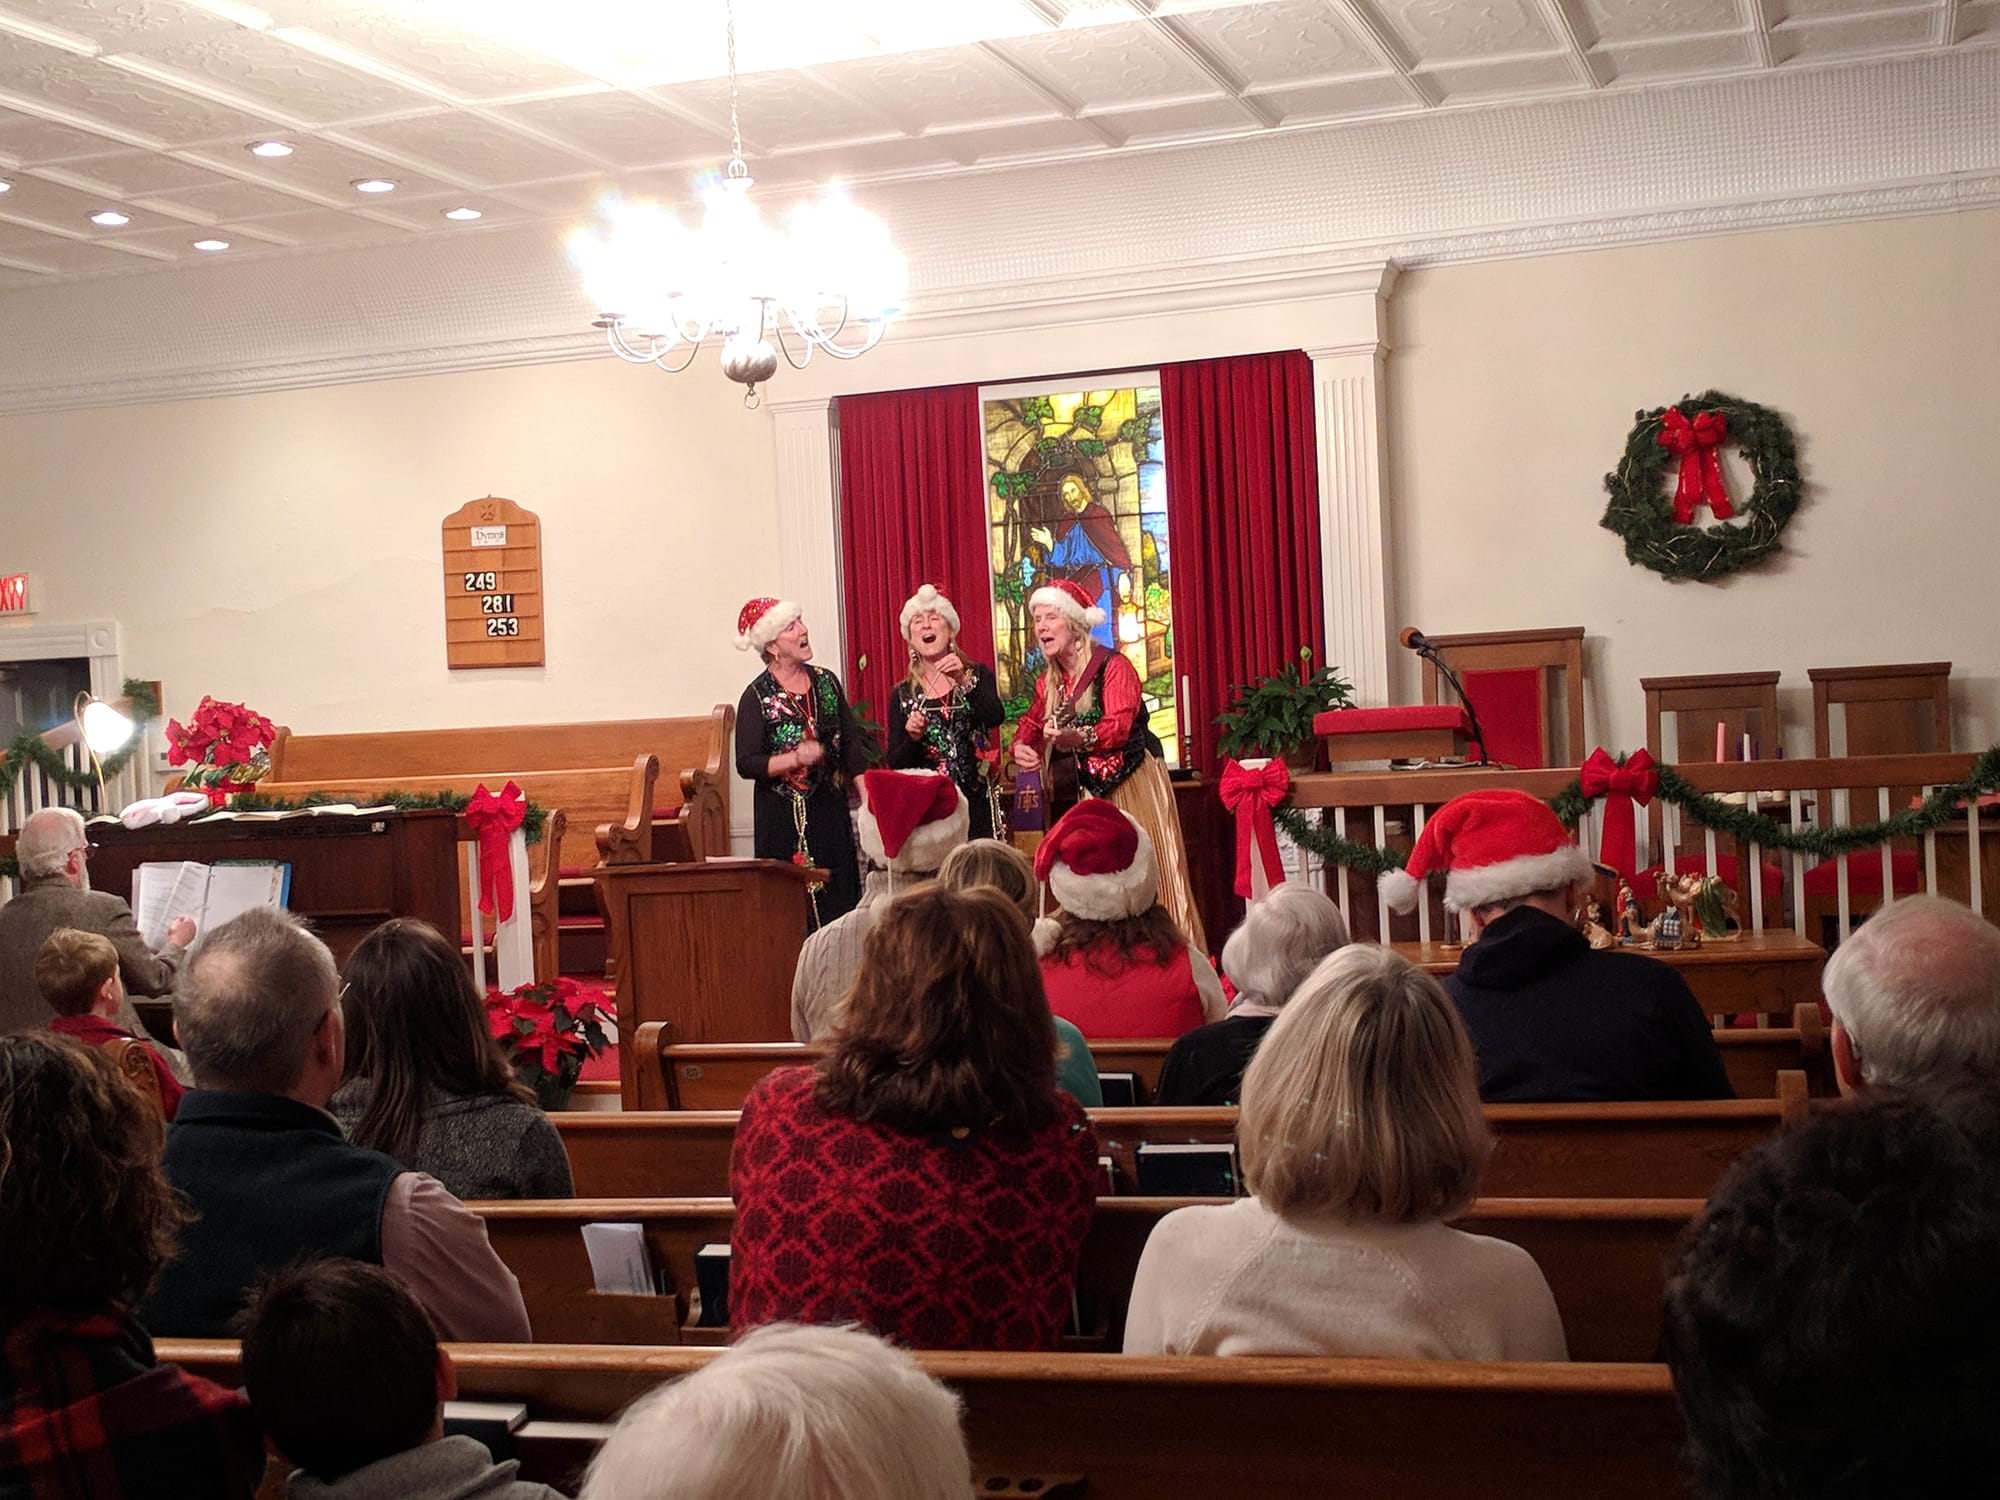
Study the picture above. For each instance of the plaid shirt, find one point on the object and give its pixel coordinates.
(90, 1415)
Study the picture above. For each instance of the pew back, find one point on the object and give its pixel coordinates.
(1205, 1429)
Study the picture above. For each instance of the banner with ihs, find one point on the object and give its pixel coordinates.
(492, 585)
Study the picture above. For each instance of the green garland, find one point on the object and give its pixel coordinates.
(30, 750)
(1724, 817)
(532, 823)
(1642, 512)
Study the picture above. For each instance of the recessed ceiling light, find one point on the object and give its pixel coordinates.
(110, 218)
(211, 244)
(269, 148)
(462, 215)
(6, 186)
(374, 185)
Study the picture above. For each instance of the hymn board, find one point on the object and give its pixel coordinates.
(492, 586)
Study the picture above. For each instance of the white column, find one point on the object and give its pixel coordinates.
(809, 521)
(1349, 405)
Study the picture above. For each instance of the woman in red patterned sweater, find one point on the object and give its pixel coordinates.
(927, 1179)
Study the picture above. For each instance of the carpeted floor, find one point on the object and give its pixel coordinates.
(605, 1064)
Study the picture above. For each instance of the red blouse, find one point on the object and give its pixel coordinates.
(932, 1242)
(1102, 994)
(1118, 688)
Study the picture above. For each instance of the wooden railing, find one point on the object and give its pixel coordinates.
(1388, 808)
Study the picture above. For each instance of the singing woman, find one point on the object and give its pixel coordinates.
(943, 717)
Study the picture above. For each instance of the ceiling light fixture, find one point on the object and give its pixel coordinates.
(373, 185)
(211, 245)
(659, 285)
(6, 186)
(462, 215)
(110, 218)
(269, 148)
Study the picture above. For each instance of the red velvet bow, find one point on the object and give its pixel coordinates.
(494, 819)
(1619, 786)
(1250, 795)
(1701, 474)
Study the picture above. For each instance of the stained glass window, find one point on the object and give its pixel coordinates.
(1076, 488)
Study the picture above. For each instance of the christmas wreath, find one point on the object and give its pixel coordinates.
(1658, 527)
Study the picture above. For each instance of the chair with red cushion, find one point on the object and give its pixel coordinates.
(1526, 687)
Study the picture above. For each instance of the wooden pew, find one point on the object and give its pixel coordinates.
(1670, 1150)
(1756, 1057)
(1605, 1260)
(1204, 1429)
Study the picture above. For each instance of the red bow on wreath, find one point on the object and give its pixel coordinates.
(1250, 795)
(494, 819)
(1619, 786)
(1701, 474)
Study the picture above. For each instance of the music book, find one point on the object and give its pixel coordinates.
(620, 1260)
(1120, 1090)
(711, 1276)
(210, 894)
(1187, 1170)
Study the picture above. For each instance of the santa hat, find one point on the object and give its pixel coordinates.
(762, 621)
(1099, 864)
(1069, 597)
(910, 820)
(925, 598)
(1493, 846)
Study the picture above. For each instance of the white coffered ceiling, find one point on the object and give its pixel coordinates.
(1024, 153)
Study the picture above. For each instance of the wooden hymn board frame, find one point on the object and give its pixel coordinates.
(492, 586)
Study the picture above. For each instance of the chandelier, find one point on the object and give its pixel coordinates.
(663, 289)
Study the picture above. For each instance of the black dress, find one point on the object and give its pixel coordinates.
(955, 728)
(771, 721)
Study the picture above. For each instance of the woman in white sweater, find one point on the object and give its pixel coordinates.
(1360, 1134)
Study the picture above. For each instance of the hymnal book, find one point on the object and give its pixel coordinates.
(209, 894)
(620, 1260)
(1120, 1090)
(711, 1278)
(492, 1423)
(1187, 1170)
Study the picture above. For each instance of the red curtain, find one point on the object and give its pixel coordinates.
(912, 511)
(1243, 522)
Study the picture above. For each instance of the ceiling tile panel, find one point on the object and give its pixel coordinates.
(1632, 20)
(858, 160)
(1808, 10)
(323, 166)
(1713, 54)
(1282, 43)
(1106, 67)
(621, 128)
(35, 198)
(264, 67)
(1034, 138)
(472, 67)
(1339, 99)
(76, 257)
(1521, 75)
(10, 278)
(137, 173)
(319, 226)
(238, 200)
(783, 111)
(962, 86)
(30, 138)
(1451, 30)
(1862, 37)
(469, 147)
(1197, 118)
(1981, 20)
(128, 102)
(121, 25)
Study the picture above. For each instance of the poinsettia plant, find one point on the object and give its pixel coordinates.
(219, 734)
(548, 1031)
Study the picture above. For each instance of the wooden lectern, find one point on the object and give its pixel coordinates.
(710, 948)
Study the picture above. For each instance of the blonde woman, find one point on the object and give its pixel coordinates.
(943, 716)
(1361, 1134)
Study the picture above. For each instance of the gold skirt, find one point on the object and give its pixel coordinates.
(1148, 795)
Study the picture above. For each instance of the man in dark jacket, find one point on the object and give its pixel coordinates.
(1551, 1019)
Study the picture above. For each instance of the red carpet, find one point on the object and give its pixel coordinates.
(605, 1065)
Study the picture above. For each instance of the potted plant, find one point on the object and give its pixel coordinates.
(225, 747)
(548, 1031)
(1274, 715)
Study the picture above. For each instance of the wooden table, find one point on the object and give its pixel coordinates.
(1769, 971)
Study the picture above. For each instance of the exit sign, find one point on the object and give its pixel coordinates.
(14, 594)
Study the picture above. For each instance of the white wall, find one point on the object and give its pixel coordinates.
(283, 549)
(1513, 386)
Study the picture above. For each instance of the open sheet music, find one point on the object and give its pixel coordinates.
(210, 894)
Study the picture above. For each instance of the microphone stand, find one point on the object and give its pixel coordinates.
(1435, 657)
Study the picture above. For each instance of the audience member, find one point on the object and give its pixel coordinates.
(77, 973)
(54, 854)
(1114, 963)
(990, 864)
(1834, 1324)
(802, 1413)
(1280, 940)
(927, 1179)
(1551, 1019)
(346, 1374)
(1360, 1133)
(426, 1082)
(909, 821)
(1915, 996)
(86, 1411)
(265, 1167)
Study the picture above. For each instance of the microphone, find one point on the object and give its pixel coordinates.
(1415, 640)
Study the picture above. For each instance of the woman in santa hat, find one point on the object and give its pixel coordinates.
(795, 745)
(942, 717)
(1088, 705)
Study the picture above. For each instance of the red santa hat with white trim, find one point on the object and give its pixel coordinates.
(910, 820)
(925, 598)
(1099, 864)
(1069, 597)
(1492, 846)
(762, 621)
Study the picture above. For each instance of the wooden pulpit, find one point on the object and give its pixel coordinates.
(709, 948)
